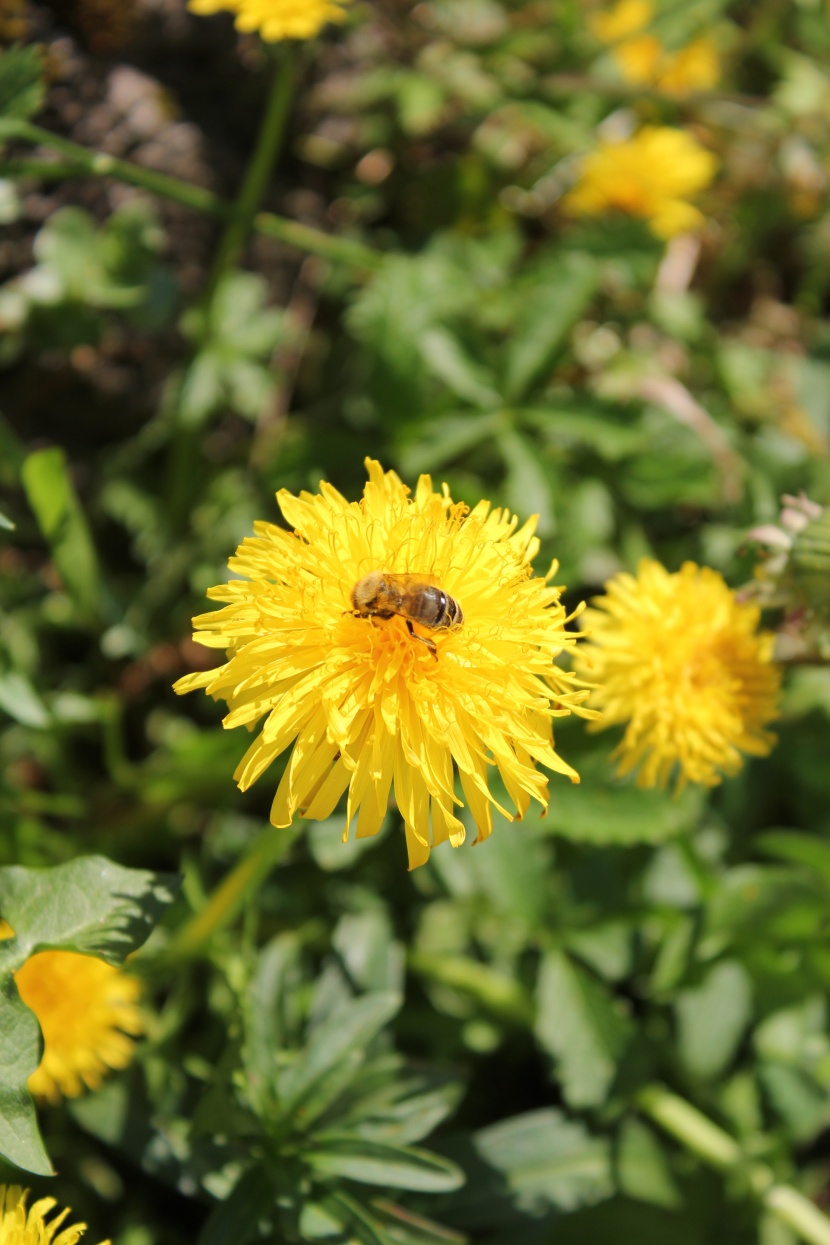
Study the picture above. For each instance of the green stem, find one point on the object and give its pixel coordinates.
(500, 995)
(711, 1143)
(690, 1126)
(235, 890)
(798, 1213)
(82, 161)
(260, 167)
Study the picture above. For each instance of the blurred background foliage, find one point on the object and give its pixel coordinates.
(642, 398)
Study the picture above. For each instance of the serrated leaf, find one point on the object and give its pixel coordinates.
(533, 1163)
(20, 1140)
(550, 312)
(89, 905)
(579, 1023)
(21, 82)
(712, 1017)
(378, 1163)
(55, 504)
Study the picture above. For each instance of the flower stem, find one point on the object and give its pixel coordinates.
(711, 1143)
(260, 167)
(232, 893)
(80, 161)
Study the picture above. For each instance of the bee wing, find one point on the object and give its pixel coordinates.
(407, 579)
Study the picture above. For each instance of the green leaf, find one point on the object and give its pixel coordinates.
(6, 523)
(339, 1041)
(238, 1217)
(89, 905)
(20, 701)
(447, 360)
(579, 1023)
(21, 82)
(549, 313)
(798, 1100)
(620, 813)
(270, 1013)
(527, 488)
(642, 1169)
(376, 1162)
(440, 441)
(407, 1228)
(711, 1019)
(545, 1160)
(20, 1140)
(802, 849)
(53, 499)
(348, 1210)
(70, 251)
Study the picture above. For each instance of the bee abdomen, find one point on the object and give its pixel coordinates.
(445, 610)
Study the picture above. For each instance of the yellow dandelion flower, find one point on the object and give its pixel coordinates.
(276, 19)
(622, 19)
(88, 1014)
(682, 664)
(651, 175)
(694, 68)
(644, 60)
(639, 58)
(22, 1226)
(372, 701)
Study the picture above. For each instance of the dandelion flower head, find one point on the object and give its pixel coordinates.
(20, 1225)
(88, 1013)
(651, 175)
(680, 662)
(276, 19)
(368, 705)
(642, 57)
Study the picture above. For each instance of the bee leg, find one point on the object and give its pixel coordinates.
(429, 643)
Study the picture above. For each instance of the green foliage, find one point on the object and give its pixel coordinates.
(474, 1051)
(21, 83)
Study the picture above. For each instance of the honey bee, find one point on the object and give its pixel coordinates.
(413, 597)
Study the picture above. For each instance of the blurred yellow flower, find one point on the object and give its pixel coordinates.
(365, 701)
(624, 18)
(276, 19)
(19, 1226)
(651, 175)
(681, 663)
(638, 59)
(694, 68)
(644, 60)
(87, 1011)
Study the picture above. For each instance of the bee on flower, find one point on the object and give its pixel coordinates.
(395, 642)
